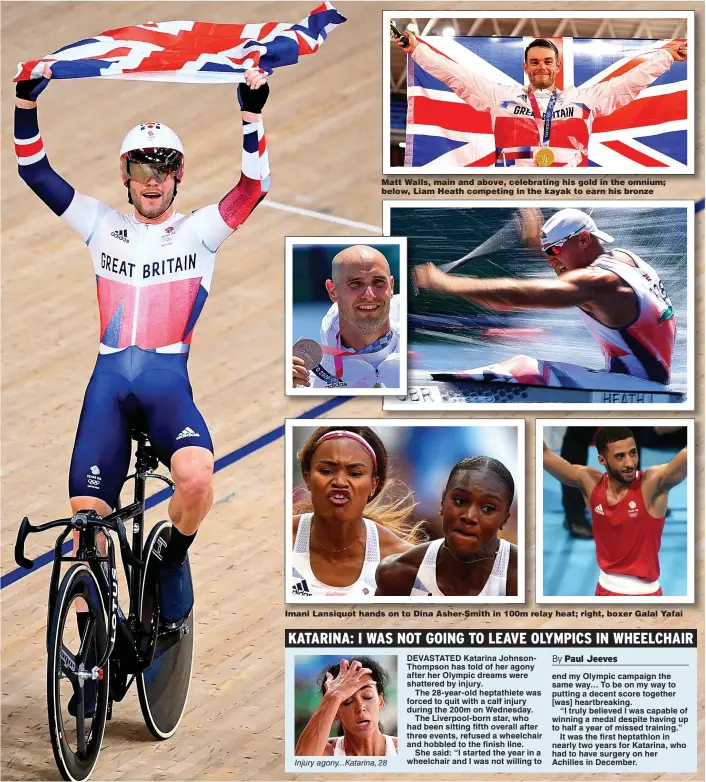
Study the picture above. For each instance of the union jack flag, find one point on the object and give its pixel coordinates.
(193, 52)
(651, 132)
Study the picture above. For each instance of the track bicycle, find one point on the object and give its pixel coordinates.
(92, 662)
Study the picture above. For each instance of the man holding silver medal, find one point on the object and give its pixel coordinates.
(540, 125)
(359, 343)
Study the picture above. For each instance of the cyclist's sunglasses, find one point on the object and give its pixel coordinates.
(143, 172)
(555, 249)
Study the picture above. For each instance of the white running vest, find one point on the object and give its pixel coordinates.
(425, 583)
(339, 748)
(306, 583)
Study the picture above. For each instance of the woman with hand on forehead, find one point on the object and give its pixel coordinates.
(353, 693)
(470, 560)
(350, 525)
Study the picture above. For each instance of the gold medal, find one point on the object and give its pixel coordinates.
(544, 157)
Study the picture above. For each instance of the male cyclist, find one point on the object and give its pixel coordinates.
(153, 271)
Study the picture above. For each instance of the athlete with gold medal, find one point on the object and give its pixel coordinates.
(541, 125)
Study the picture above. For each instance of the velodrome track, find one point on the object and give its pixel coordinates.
(324, 135)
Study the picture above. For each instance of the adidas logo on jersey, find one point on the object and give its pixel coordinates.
(301, 588)
(122, 235)
(187, 432)
(599, 509)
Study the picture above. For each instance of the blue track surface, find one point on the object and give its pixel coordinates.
(570, 566)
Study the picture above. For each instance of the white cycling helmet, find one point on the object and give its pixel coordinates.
(152, 143)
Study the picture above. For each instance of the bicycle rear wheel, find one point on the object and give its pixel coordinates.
(73, 649)
(163, 685)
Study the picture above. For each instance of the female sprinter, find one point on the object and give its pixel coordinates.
(350, 527)
(470, 560)
(354, 694)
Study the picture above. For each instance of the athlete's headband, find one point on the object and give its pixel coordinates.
(353, 436)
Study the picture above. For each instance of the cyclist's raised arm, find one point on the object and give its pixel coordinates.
(219, 221)
(79, 211)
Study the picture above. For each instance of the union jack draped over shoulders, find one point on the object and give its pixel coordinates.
(194, 52)
(650, 132)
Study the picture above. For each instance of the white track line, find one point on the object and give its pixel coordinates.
(376, 229)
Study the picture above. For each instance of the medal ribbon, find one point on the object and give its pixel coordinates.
(543, 136)
(339, 353)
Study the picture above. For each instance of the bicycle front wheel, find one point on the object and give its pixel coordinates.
(77, 691)
(163, 685)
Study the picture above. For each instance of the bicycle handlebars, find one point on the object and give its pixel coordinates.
(80, 520)
(25, 529)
